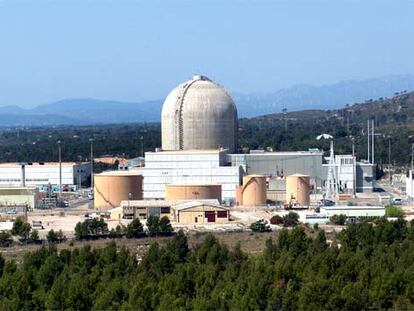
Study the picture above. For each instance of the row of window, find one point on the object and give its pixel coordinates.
(27, 180)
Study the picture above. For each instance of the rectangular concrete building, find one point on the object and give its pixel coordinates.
(200, 213)
(40, 174)
(189, 167)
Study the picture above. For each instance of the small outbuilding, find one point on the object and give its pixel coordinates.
(200, 212)
(144, 208)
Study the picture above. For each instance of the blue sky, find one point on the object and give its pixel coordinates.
(139, 50)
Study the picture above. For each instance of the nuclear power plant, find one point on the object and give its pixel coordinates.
(199, 146)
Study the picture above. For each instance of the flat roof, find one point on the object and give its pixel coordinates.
(189, 151)
(345, 207)
(280, 153)
(145, 203)
(193, 184)
(42, 163)
(195, 203)
(298, 175)
(118, 173)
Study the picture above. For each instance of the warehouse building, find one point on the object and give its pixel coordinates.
(353, 211)
(145, 208)
(19, 197)
(200, 213)
(41, 174)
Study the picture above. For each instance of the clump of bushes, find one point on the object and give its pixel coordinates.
(289, 220)
(394, 211)
(339, 220)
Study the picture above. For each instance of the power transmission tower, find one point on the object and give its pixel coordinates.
(332, 186)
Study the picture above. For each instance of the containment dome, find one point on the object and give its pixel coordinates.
(199, 115)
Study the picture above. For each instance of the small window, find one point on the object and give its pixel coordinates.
(222, 214)
(165, 210)
(195, 219)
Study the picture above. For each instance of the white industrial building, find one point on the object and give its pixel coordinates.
(353, 211)
(40, 174)
(345, 167)
(188, 167)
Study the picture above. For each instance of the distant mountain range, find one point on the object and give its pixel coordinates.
(84, 111)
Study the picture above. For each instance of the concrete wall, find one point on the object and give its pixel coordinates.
(189, 216)
(48, 173)
(188, 167)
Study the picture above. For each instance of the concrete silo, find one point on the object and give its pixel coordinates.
(252, 192)
(110, 188)
(199, 115)
(298, 189)
(178, 192)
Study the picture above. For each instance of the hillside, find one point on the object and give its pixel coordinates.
(87, 111)
(394, 124)
(394, 120)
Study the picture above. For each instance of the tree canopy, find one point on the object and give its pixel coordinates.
(373, 269)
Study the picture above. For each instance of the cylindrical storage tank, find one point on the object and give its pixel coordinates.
(254, 190)
(298, 189)
(110, 188)
(177, 192)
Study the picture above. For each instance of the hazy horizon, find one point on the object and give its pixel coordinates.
(136, 51)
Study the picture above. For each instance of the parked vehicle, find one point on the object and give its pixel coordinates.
(37, 225)
(326, 202)
(397, 201)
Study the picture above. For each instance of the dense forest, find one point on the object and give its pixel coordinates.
(367, 266)
(290, 131)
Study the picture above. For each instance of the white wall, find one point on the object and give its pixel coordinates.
(36, 175)
(167, 167)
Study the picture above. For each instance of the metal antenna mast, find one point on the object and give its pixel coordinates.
(332, 186)
(373, 142)
(331, 181)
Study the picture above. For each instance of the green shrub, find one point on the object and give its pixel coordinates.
(394, 211)
(338, 219)
(260, 226)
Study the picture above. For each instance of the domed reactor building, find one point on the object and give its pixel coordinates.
(199, 115)
(199, 129)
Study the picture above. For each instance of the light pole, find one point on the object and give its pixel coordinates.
(129, 204)
(389, 157)
(91, 141)
(60, 167)
(142, 145)
(353, 167)
(368, 157)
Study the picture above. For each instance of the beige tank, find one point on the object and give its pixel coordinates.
(177, 192)
(253, 191)
(110, 188)
(298, 189)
